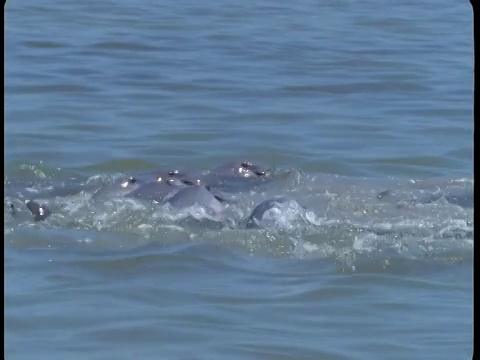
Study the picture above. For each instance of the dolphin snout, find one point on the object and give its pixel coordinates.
(260, 171)
(253, 169)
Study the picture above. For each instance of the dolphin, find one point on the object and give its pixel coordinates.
(237, 176)
(265, 216)
(128, 185)
(163, 185)
(39, 212)
(256, 217)
(186, 176)
(118, 188)
(197, 195)
(157, 190)
(242, 169)
(179, 188)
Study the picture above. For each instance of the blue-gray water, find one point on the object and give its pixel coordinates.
(349, 98)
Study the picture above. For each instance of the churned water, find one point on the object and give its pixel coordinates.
(363, 110)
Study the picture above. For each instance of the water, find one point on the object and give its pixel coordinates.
(345, 99)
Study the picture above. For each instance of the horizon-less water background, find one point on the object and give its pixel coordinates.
(352, 98)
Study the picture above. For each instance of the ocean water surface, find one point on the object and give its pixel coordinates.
(360, 112)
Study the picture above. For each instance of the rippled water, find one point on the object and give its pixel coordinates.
(363, 109)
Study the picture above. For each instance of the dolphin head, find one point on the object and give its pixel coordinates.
(183, 178)
(249, 169)
(129, 182)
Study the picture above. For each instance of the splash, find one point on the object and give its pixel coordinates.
(325, 217)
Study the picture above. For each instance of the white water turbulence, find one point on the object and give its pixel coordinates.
(356, 222)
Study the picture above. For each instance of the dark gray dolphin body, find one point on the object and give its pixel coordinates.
(237, 176)
(242, 169)
(118, 188)
(156, 185)
(44, 189)
(186, 176)
(256, 217)
(144, 186)
(39, 212)
(259, 219)
(147, 183)
(179, 188)
(156, 190)
(197, 195)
